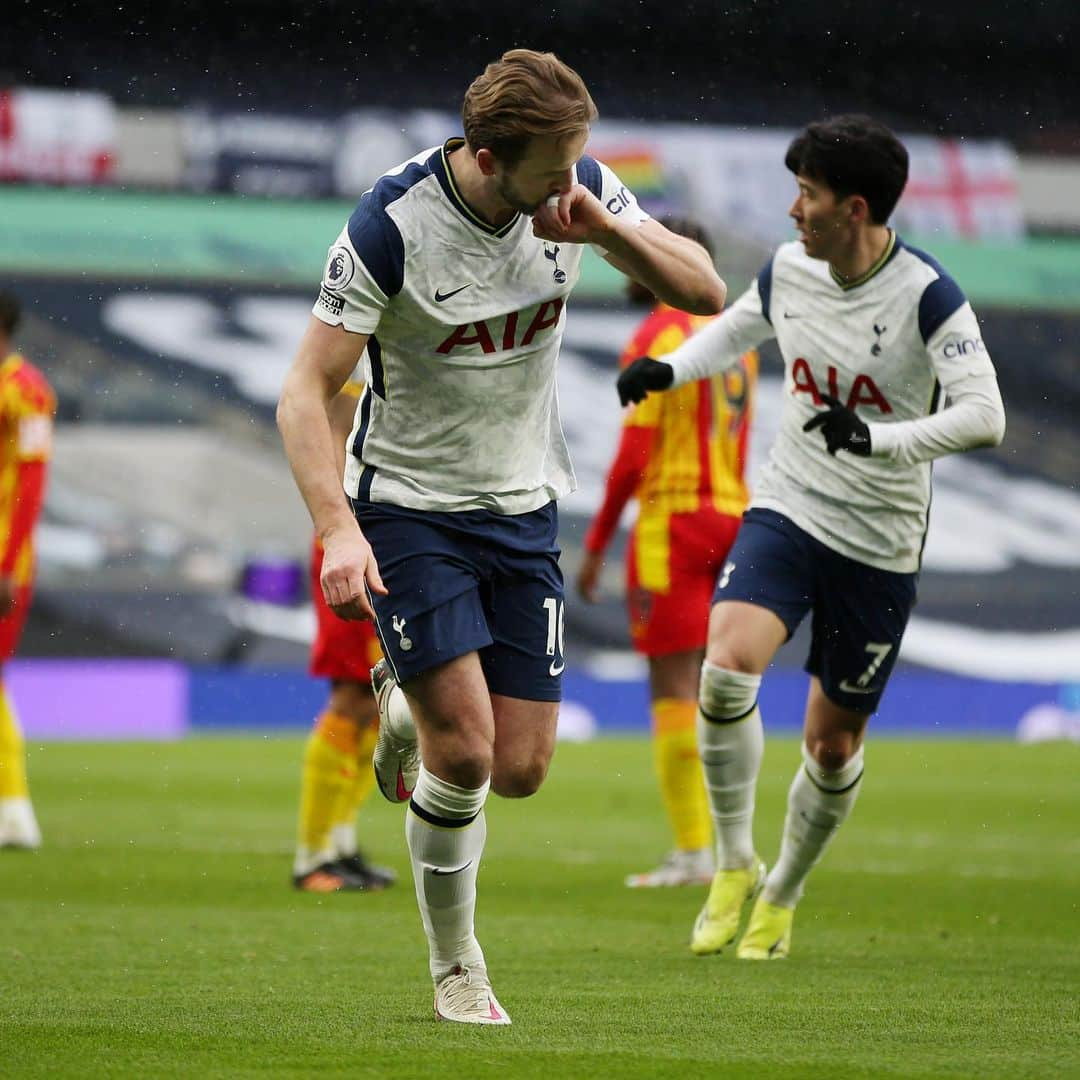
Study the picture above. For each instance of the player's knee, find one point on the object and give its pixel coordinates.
(465, 760)
(726, 693)
(832, 752)
(519, 779)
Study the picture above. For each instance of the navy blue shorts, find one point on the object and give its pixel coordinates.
(470, 581)
(860, 612)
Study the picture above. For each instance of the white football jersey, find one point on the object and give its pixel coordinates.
(460, 410)
(892, 345)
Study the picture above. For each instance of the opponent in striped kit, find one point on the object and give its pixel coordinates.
(27, 407)
(682, 456)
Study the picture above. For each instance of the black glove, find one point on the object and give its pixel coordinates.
(842, 429)
(643, 375)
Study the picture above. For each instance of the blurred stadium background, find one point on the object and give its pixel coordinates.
(171, 183)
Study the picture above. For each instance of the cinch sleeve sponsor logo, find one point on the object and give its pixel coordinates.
(619, 201)
(954, 349)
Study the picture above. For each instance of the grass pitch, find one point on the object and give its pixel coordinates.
(156, 935)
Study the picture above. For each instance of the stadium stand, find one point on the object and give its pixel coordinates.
(109, 278)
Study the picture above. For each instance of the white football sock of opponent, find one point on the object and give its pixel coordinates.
(819, 801)
(445, 830)
(731, 742)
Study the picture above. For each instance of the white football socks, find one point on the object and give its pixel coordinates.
(731, 742)
(818, 803)
(445, 830)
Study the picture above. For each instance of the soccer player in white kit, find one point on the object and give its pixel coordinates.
(454, 272)
(883, 360)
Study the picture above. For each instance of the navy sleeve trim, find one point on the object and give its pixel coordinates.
(588, 173)
(378, 377)
(764, 288)
(940, 299)
(372, 231)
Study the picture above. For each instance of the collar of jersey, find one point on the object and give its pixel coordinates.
(891, 248)
(440, 166)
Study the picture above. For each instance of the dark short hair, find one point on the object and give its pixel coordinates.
(689, 227)
(10, 313)
(853, 155)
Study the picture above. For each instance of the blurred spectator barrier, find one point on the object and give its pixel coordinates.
(734, 179)
(57, 136)
(161, 699)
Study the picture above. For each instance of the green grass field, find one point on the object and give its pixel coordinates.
(155, 934)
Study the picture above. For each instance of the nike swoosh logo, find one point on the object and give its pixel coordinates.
(556, 668)
(449, 873)
(441, 296)
(824, 826)
(403, 793)
(848, 688)
(789, 315)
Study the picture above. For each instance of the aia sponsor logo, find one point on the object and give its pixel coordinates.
(864, 391)
(504, 332)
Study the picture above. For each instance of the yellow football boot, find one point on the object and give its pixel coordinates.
(768, 933)
(729, 893)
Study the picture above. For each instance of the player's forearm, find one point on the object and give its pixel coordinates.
(342, 412)
(302, 417)
(715, 348)
(623, 480)
(976, 418)
(673, 268)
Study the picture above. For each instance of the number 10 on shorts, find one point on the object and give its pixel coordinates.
(556, 620)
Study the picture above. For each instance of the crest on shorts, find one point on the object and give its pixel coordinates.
(398, 624)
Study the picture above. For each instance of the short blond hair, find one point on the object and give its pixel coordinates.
(521, 95)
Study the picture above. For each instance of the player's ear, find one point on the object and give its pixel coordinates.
(858, 209)
(485, 162)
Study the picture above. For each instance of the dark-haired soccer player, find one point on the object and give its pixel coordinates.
(454, 271)
(884, 361)
(683, 457)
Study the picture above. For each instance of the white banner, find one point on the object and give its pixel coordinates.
(57, 136)
(736, 182)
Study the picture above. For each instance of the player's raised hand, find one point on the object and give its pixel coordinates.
(842, 429)
(9, 593)
(349, 570)
(588, 579)
(641, 376)
(574, 217)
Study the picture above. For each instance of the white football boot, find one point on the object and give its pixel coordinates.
(464, 995)
(679, 868)
(396, 759)
(18, 826)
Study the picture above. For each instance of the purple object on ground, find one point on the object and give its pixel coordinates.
(274, 581)
(99, 699)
